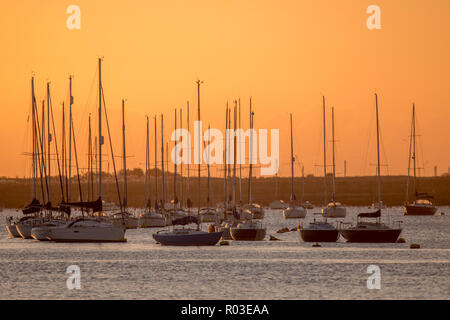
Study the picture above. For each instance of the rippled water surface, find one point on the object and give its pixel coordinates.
(287, 269)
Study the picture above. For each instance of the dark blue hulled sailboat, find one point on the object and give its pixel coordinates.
(186, 236)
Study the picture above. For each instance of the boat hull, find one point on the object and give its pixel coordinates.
(334, 212)
(59, 234)
(130, 223)
(371, 236)
(12, 230)
(241, 234)
(313, 235)
(411, 210)
(197, 239)
(294, 213)
(152, 222)
(24, 230)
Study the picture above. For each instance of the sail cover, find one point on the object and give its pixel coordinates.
(34, 206)
(375, 214)
(96, 205)
(185, 220)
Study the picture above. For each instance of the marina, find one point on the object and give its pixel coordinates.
(291, 268)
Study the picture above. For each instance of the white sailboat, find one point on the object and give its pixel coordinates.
(90, 229)
(150, 218)
(422, 204)
(294, 211)
(255, 210)
(334, 209)
(124, 216)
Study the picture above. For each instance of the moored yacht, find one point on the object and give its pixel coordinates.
(372, 232)
(125, 218)
(319, 231)
(334, 209)
(278, 205)
(248, 231)
(255, 210)
(40, 232)
(87, 230)
(151, 219)
(293, 211)
(422, 204)
(11, 227)
(184, 236)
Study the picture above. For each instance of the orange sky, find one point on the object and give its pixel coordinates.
(285, 54)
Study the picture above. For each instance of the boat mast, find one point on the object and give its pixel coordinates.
(63, 148)
(292, 165)
(175, 198)
(70, 138)
(49, 139)
(147, 167)
(43, 164)
(199, 149)
(225, 186)
(334, 163)
(181, 164)
(33, 126)
(409, 161)
(90, 161)
(100, 137)
(189, 160)
(156, 166)
(163, 199)
(209, 173)
(229, 153)
(250, 200)
(414, 147)
(378, 153)
(234, 155)
(125, 195)
(240, 156)
(324, 157)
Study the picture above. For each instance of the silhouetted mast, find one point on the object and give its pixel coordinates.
(292, 164)
(125, 194)
(378, 153)
(100, 137)
(324, 156)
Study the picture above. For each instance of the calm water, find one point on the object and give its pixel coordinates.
(287, 269)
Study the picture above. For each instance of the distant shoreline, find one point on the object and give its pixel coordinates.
(351, 191)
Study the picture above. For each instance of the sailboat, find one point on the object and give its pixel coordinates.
(249, 229)
(150, 218)
(117, 219)
(175, 206)
(277, 204)
(334, 209)
(294, 211)
(422, 204)
(373, 232)
(32, 213)
(88, 229)
(252, 208)
(209, 213)
(187, 236)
